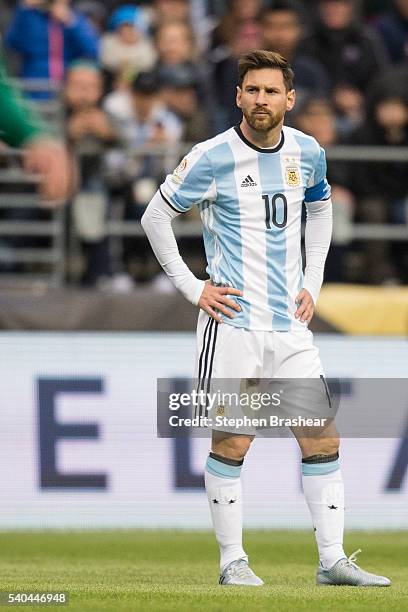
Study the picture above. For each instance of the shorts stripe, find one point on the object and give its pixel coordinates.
(203, 356)
(207, 352)
(327, 391)
(211, 364)
(200, 363)
(205, 370)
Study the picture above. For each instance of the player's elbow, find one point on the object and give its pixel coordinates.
(145, 221)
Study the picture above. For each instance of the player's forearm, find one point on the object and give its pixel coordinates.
(156, 222)
(317, 241)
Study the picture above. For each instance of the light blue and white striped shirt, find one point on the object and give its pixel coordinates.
(250, 201)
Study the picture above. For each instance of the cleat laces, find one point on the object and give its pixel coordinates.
(351, 560)
(241, 569)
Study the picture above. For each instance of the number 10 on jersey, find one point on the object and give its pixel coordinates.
(276, 210)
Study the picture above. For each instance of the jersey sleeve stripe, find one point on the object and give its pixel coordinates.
(169, 204)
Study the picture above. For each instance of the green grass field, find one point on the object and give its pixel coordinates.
(161, 570)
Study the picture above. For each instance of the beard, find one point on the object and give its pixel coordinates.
(263, 123)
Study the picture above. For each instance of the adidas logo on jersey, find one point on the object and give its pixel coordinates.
(248, 182)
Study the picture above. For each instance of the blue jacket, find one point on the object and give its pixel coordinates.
(29, 35)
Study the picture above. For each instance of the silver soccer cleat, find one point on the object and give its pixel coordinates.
(239, 573)
(346, 572)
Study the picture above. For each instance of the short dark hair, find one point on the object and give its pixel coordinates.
(256, 60)
(287, 6)
(146, 83)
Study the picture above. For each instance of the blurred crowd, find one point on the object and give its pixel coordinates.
(148, 75)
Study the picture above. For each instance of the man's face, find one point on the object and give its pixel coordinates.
(128, 34)
(173, 43)
(263, 99)
(143, 104)
(83, 88)
(281, 31)
(319, 121)
(336, 14)
(392, 114)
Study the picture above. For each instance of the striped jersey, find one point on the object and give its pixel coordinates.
(250, 201)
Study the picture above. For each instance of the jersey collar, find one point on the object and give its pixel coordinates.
(278, 147)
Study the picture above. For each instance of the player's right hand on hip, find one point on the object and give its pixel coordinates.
(215, 300)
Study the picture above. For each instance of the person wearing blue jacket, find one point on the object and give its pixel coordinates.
(393, 27)
(49, 35)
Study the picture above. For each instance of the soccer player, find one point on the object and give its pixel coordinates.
(250, 183)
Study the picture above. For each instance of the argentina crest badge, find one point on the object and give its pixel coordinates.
(292, 173)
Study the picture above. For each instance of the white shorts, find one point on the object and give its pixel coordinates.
(228, 352)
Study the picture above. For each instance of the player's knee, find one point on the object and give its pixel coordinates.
(324, 446)
(232, 447)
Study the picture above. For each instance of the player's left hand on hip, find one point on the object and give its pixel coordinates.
(305, 305)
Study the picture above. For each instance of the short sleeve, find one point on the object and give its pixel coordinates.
(319, 189)
(192, 182)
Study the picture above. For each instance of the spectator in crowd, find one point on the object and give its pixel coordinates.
(95, 11)
(393, 27)
(135, 175)
(282, 30)
(349, 104)
(150, 121)
(176, 47)
(352, 54)
(147, 121)
(86, 120)
(316, 116)
(118, 102)
(180, 96)
(90, 132)
(49, 36)
(239, 27)
(192, 12)
(238, 31)
(381, 187)
(171, 10)
(175, 43)
(127, 45)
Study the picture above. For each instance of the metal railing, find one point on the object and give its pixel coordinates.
(27, 218)
(357, 231)
(27, 226)
(55, 255)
